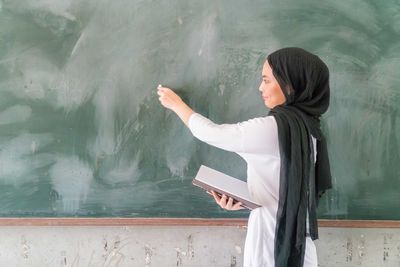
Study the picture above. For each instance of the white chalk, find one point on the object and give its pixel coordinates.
(159, 86)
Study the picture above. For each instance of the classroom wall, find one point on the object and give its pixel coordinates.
(146, 246)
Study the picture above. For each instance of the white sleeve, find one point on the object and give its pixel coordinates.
(229, 137)
(255, 136)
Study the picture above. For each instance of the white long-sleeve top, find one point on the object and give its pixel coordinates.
(256, 141)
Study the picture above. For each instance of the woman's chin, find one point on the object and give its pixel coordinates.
(268, 105)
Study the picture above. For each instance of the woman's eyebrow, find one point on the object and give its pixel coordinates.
(265, 76)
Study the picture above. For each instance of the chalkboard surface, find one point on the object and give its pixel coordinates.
(82, 132)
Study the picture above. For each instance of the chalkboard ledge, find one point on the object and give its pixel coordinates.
(179, 222)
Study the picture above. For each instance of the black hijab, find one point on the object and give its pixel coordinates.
(304, 80)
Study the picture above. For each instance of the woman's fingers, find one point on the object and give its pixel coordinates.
(222, 202)
(225, 202)
(229, 204)
(237, 206)
(168, 97)
(165, 99)
(165, 91)
(162, 92)
(216, 197)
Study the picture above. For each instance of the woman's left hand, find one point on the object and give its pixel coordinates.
(226, 203)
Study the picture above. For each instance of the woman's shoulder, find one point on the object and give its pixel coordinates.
(262, 126)
(266, 121)
(261, 136)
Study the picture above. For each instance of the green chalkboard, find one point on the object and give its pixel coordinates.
(82, 132)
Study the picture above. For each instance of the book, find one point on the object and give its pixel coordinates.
(213, 180)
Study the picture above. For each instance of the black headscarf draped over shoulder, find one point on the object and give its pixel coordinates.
(304, 80)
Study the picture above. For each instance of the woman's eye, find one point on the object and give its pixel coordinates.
(266, 81)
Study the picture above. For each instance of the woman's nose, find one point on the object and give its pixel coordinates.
(260, 88)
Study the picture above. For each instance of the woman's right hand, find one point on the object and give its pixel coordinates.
(226, 203)
(168, 98)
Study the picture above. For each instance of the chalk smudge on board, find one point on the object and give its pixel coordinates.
(15, 114)
(71, 178)
(18, 163)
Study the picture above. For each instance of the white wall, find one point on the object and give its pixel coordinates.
(164, 246)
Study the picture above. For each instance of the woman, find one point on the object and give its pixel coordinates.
(286, 156)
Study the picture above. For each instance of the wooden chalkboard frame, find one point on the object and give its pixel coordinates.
(180, 222)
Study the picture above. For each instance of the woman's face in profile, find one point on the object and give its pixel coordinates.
(270, 89)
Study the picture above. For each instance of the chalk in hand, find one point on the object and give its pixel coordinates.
(159, 86)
